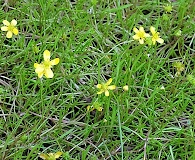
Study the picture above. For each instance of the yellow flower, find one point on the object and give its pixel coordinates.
(45, 67)
(50, 156)
(104, 87)
(140, 35)
(155, 36)
(180, 67)
(96, 105)
(10, 28)
(126, 88)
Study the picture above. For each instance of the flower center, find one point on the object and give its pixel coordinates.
(155, 36)
(141, 35)
(10, 28)
(47, 64)
(104, 87)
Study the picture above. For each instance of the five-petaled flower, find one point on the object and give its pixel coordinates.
(140, 34)
(155, 36)
(50, 156)
(10, 28)
(45, 67)
(104, 87)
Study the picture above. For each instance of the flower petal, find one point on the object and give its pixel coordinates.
(106, 93)
(43, 156)
(58, 154)
(152, 30)
(99, 86)
(99, 109)
(40, 74)
(39, 69)
(13, 22)
(141, 29)
(112, 87)
(55, 61)
(146, 35)
(15, 31)
(48, 73)
(88, 108)
(46, 55)
(160, 40)
(135, 30)
(126, 88)
(100, 92)
(5, 22)
(9, 34)
(4, 28)
(141, 41)
(36, 65)
(109, 81)
(136, 37)
(154, 41)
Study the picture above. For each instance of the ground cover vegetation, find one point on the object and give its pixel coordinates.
(110, 79)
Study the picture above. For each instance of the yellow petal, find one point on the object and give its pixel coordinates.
(106, 93)
(9, 34)
(15, 31)
(160, 40)
(58, 154)
(99, 109)
(88, 108)
(135, 30)
(55, 61)
(48, 73)
(5, 22)
(39, 69)
(46, 55)
(43, 156)
(136, 37)
(109, 81)
(146, 35)
(141, 29)
(112, 87)
(36, 65)
(141, 41)
(100, 92)
(4, 28)
(152, 30)
(125, 88)
(40, 74)
(99, 86)
(13, 22)
(154, 41)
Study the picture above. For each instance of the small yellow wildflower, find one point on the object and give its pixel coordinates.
(96, 105)
(126, 88)
(50, 156)
(155, 36)
(140, 35)
(104, 87)
(180, 67)
(10, 28)
(45, 67)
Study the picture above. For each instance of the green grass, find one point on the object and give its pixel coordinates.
(94, 43)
